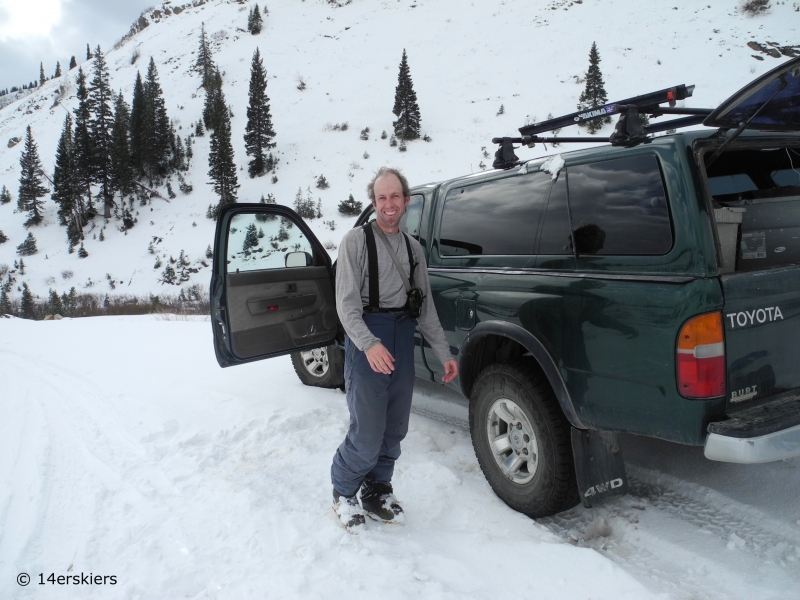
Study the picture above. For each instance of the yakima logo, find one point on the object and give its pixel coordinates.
(601, 488)
(599, 112)
(751, 317)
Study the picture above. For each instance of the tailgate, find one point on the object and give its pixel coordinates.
(762, 330)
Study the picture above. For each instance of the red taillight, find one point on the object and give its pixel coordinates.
(701, 357)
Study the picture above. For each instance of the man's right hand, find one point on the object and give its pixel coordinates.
(380, 360)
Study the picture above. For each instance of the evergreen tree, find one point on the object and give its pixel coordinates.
(58, 69)
(30, 181)
(42, 76)
(198, 129)
(27, 307)
(54, 305)
(350, 207)
(3, 237)
(222, 169)
(82, 253)
(594, 94)
(156, 125)
(122, 179)
(100, 130)
(250, 238)
(204, 64)
(270, 199)
(258, 132)
(88, 53)
(5, 303)
(137, 127)
(72, 63)
(65, 192)
(254, 21)
(213, 106)
(5, 196)
(28, 247)
(82, 148)
(405, 105)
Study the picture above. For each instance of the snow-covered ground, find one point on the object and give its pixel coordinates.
(126, 451)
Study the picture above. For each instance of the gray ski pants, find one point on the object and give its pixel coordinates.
(379, 405)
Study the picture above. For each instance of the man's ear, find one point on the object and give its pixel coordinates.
(407, 200)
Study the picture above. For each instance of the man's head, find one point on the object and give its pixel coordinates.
(389, 193)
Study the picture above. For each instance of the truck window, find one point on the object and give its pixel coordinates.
(258, 242)
(499, 217)
(555, 237)
(619, 207)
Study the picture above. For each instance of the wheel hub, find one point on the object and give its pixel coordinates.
(316, 361)
(512, 440)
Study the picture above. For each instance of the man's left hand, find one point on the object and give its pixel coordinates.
(450, 371)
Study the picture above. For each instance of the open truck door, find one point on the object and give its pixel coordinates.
(272, 287)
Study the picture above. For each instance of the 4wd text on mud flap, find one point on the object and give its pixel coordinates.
(603, 487)
(751, 317)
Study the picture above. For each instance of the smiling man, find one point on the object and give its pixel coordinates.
(379, 351)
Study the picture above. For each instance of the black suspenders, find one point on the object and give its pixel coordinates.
(372, 268)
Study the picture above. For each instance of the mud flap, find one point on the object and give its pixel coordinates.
(598, 466)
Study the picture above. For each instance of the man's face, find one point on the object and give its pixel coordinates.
(389, 203)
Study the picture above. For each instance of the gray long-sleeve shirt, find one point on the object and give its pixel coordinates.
(352, 289)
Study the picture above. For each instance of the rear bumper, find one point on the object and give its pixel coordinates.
(766, 433)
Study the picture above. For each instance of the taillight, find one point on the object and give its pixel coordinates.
(701, 357)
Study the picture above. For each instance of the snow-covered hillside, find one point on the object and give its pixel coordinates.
(466, 61)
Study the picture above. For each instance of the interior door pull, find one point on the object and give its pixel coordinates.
(291, 287)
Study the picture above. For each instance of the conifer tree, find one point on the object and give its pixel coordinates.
(27, 307)
(65, 192)
(82, 148)
(204, 64)
(258, 132)
(42, 76)
(5, 196)
(350, 207)
(212, 105)
(405, 104)
(3, 237)
(30, 181)
(250, 238)
(88, 53)
(54, 305)
(58, 69)
(122, 179)
(594, 94)
(72, 63)
(156, 125)
(28, 246)
(82, 253)
(5, 303)
(254, 21)
(198, 129)
(100, 128)
(137, 127)
(222, 169)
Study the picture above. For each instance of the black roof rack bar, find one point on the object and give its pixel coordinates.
(674, 124)
(643, 103)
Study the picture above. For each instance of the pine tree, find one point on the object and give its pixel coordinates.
(72, 63)
(222, 169)
(156, 125)
(27, 307)
(594, 94)
(3, 237)
(54, 304)
(322, 183)
(5, 303)
(28, 247)
(42, 76)
(30, 181)
(58, 69)
(82, 148)
(5, 196)
(88, 53)
(65, 192)
(209, 252)
(198, 129)
(250, 238)
(82, 253)
(204, 63)
(350, 207)
(405, 105)
(137, 127)
(270, 199)
(258, 132)
(122, 179)
(211, 108)
(254, 22)
(100, 130)
(21, 267)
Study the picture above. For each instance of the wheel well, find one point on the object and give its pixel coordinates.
(488, 350)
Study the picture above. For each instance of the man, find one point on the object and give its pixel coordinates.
(379, 354)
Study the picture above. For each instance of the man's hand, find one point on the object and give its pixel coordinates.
(380, 360)
(450, 371)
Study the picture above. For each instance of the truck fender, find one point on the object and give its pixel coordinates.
(529, 342)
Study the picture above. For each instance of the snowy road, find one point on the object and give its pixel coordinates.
(125, 451)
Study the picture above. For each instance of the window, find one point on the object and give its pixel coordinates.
(499, 217)
(257, 242)
(555, 236)
(619, 207)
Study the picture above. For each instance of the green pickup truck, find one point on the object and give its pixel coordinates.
(650, 285)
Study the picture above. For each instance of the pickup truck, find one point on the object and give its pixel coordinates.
(649, 287)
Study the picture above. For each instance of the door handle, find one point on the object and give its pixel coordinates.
(291, 287)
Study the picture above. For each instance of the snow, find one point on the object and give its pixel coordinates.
(349, 58)
(126, 451)
(553, 165)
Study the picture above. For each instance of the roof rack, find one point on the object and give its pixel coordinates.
(629, 130)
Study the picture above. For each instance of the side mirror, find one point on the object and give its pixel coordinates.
(298, 259)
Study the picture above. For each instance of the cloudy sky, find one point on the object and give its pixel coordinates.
(46, 31)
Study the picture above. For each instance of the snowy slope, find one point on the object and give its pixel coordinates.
(465, 60)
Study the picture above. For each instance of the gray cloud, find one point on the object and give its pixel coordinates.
(82, 21)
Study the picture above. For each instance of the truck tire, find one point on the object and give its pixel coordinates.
(522, 439)
(320, 367)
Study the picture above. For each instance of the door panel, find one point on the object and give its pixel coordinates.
(263, 304)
